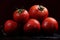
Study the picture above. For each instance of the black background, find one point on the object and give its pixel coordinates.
(7, 7)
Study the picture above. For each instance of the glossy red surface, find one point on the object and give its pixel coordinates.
(38, 12)
(32, 25)
(10, 26)
(21, 15)
(50, 25)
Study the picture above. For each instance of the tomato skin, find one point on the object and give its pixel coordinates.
(21, 15)
(50, 25)
(32, 26)
(38, 12)
(10, 26)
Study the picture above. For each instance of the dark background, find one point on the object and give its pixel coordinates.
(7, 7)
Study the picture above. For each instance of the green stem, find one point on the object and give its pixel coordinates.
(41, 7)
(20, 10)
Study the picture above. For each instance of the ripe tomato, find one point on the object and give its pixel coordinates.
(32, 25)
(38, 12)
(21, 15)
(50, 25)
(10, 26)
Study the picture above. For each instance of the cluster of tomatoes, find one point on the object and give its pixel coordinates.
(34, 20)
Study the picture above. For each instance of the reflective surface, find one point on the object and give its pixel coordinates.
(30, 38)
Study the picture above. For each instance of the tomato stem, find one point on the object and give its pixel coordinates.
(41, 7)
(20, 10)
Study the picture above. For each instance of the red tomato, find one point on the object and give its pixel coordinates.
(21, 15)
(32, 25)
(10, 26)
(50, 25)
(38, 12)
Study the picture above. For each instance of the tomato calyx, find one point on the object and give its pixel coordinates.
(20, 10)
(41, 8)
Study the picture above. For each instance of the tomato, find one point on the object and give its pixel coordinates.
(38, 12)
(32, 25)
(21, 15)
(50, 25)
(10, 26)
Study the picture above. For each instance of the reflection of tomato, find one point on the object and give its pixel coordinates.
(21, 15)
(50, 24)
(32, 26)
(10, 26)
(38, 12)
